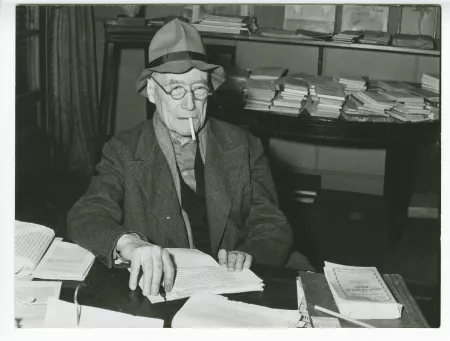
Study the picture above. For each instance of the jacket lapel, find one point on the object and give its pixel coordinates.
(153, 176)
(222, 171)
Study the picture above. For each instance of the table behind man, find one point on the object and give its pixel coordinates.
(180, 179)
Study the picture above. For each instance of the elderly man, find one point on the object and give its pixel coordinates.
(180, 179)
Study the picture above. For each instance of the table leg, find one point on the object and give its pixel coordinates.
(399, 185)
(109, 80)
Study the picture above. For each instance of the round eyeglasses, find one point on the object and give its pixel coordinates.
(200, 93)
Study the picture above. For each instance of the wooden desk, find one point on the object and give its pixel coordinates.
(108, 288)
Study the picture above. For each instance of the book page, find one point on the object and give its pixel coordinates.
(30, 243)
(61, 314)
(64, 261)
(30, 298)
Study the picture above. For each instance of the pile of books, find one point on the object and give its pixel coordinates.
(375, 38)
(326, 97)
(368, 106)
(347, 37)
(405, 113)
(409, 107)
(224, 24)
(430, 81)
(361, 293)
(290, 99)
(352, 83)
(258, 94)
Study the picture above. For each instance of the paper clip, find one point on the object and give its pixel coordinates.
(77, 305)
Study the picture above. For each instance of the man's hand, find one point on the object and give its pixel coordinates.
(154, 261)
(234, 260)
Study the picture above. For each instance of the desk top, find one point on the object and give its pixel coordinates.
(108, 289)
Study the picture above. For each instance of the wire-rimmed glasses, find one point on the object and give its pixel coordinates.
(200, 93)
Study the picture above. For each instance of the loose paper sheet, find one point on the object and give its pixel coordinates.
(30, 299)
(62, 314)
(217, 311)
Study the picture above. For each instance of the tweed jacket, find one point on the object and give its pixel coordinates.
(134, 191)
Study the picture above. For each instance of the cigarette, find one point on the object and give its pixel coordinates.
(192, 128)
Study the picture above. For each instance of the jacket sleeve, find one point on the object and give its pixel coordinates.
(268, 234)
(94, 222)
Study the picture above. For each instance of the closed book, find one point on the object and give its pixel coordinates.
(361, 293)
(331, 92)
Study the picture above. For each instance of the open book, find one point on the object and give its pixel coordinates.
(40, 254)
(361, 293)
(31, 241)
(199, 273)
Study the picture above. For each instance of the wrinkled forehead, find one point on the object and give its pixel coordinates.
(191, 77)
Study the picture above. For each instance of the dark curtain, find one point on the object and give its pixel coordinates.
(73, 94)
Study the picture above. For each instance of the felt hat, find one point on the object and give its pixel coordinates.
(177, 48)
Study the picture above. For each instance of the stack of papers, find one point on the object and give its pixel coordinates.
(218, 311)
(30, 301)
(62, 314)
(347, 36)
(331, 97)
(361, 293)
(409, 107)
(352, 83)
(290, 100)
(258, 94)
(199, 273)
(354, 110)
(372, 102)
(430, 81)
(224, 24)
(65, 261)
(376, 38)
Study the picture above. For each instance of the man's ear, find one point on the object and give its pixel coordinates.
(151, 90)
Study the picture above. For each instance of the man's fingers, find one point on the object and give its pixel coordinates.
(222, 255)
(231, 261)
(157, 272)
(147, 269)
(248, 261)
(134, 273)
(240, 257)
(169, 270)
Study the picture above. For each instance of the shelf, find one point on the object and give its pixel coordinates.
(134, 34)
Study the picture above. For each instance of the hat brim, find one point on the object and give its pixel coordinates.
(182, 66)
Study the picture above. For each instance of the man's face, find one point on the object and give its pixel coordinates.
(176, 113)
